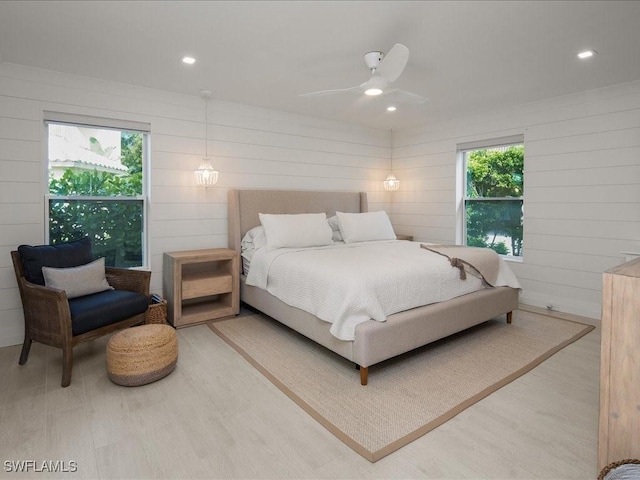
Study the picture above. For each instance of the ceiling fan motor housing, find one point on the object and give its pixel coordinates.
(373, 59)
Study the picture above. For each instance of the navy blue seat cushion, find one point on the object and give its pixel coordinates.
(63, 255)
(104, 308)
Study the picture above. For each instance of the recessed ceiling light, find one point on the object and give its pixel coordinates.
(586, 54)
(372, 92)
(188, 60)
(391, 108)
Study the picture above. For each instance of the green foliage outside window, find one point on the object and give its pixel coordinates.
(495, 173)
(114, 225)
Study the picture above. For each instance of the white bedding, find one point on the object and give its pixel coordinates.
(348, 284)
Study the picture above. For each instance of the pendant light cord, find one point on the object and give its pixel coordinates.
(206, 94)
(206, 128)
(391, 150)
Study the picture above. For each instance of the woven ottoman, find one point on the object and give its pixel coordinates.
(140, 355)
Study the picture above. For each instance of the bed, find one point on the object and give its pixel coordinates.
(373, 341)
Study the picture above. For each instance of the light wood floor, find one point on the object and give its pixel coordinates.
(215, 416)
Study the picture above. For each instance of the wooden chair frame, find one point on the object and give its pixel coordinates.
(47, 318)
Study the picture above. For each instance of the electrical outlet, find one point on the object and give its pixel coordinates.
(550, 307)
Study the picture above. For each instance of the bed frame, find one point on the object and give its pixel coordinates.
(374, 341)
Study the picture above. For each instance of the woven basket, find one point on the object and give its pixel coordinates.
(621, 470)
(157, 313)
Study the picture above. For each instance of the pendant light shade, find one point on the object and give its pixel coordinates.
(391, 184)
(206, 175)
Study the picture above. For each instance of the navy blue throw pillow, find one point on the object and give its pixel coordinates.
(63, 255)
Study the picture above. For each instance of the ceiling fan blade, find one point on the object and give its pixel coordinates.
(393, 63)
(374, 82)
(330, 92)
(402, 96)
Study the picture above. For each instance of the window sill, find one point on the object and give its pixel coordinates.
(510, 258)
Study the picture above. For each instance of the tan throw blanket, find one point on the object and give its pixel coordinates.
(483, 260)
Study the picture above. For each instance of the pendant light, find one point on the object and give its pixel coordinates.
(206, 175)
(391, 184)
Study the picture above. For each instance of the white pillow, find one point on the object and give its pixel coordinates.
(78, 281)
(293, 231)
(364, 227)
(254, 239)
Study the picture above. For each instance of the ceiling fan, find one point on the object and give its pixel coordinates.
(385, 69)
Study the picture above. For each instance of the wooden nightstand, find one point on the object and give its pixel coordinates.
(405, 237)
(201, 285)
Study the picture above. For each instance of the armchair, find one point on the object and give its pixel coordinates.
(53, 319)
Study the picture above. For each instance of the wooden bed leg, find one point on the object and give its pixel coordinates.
(364, 375)
(509, 317)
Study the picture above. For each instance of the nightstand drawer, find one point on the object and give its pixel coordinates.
(206, 285)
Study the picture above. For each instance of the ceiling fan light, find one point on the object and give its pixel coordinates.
(372, 92)
(586, 54)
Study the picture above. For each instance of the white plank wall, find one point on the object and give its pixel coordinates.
(582, 174)
(582, 188)
(251, 147)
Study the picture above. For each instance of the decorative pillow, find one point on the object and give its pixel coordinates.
(78, 281)
(335, 228)
(364, 227)
(253, 239)
(63, 255)
(293, 231)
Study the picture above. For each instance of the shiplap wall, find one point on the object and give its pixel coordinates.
(582, 188)
(251, 147)
(582, 174)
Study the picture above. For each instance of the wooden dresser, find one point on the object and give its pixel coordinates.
(619, 435)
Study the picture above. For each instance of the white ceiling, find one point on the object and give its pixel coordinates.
(467, 57)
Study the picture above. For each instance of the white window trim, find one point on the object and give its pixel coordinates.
(110, 124)
(490, 143)
(461, 183)
(91, 121)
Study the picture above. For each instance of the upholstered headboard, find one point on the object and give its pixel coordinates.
(245, 205)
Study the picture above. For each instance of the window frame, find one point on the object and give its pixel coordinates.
(462, 151)
(59, 118)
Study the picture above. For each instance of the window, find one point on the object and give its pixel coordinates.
(493, 195)
(96, 186)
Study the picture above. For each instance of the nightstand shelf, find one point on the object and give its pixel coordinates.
(405, 237)
(201, 285)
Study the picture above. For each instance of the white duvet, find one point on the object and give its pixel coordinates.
(348, 284)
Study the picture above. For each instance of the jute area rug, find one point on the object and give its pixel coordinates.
(407, 396)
